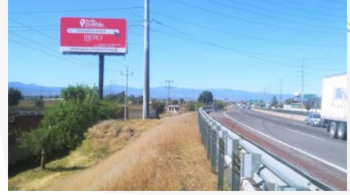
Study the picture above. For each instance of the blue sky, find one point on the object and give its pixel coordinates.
(250, 45)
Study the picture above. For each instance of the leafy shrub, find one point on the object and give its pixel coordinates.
(158, 106)
(65, 123)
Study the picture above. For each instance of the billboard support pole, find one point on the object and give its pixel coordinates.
(100, 76)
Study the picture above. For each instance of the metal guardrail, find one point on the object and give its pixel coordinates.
(237, 162)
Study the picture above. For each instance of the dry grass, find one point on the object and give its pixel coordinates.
(101, 140)
(31, 103)
(110, 136)
(168, 157)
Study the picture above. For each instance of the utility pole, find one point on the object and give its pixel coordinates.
(145, 110)
(127, 74)
(168, 81)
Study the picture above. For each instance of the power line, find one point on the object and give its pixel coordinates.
(197, 41)
(274, 11)
(240, 52)
(270, 16)
(247, 20)
(334, 1)
(301, 10)
(28, 27)
(241, 35)
(42, 45)
(42, 51)
(316, 6)
(53, 50)
(76, 10)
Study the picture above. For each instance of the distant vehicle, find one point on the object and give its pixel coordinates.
(334, 105)
(214, 107)
(313, 119)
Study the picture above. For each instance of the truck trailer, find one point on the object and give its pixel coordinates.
(334, 105)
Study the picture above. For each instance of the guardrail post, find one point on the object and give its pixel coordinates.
(214, 149)
(250, 164)
(217, 149)
(205, 133)
(202, 129)
(235, 170)
(222, 145)
(207, 127)
(210, 130)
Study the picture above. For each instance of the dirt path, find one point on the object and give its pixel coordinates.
(168, 157)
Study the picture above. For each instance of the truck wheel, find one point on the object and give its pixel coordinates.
(333, 129)
(341, 131)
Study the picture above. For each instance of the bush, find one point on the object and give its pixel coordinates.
(65, 123)
(220, 104)
(158, 106)
(39, 103)
(14, 95)
(109, 110)
(193, 106)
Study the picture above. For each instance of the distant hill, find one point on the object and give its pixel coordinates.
(35, 90)
(157, 92)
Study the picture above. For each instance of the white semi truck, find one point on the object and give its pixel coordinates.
(334, 105)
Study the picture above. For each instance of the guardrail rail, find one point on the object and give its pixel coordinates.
(242, 165)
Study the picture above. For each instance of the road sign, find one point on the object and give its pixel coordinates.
(309, 96)
(93, 36)
(256, 101)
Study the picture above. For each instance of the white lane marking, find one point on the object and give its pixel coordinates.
(292, 147)
(315, 137)
(327, 141)
(305, 134)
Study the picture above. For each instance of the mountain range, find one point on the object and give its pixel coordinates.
(156, 92)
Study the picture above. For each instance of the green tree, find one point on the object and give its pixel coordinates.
(65, 123)
(174, 102)
(158, 106)
(205, 97)
(119, 97)
(193, 106)
(39, 102)
(137, 100)
(190, 106)
(40, 142)
(220, 104)
(309, 104)
(14, 95)
(182, 101)
(289, 101)
(78, 92)
(274, 102)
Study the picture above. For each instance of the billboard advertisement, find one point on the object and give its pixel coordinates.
(93, 36)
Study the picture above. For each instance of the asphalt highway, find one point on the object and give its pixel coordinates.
(313, 141)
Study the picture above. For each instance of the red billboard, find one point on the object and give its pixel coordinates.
(93, 35)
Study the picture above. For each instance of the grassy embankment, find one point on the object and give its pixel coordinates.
(168, 156)
(101, 140)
